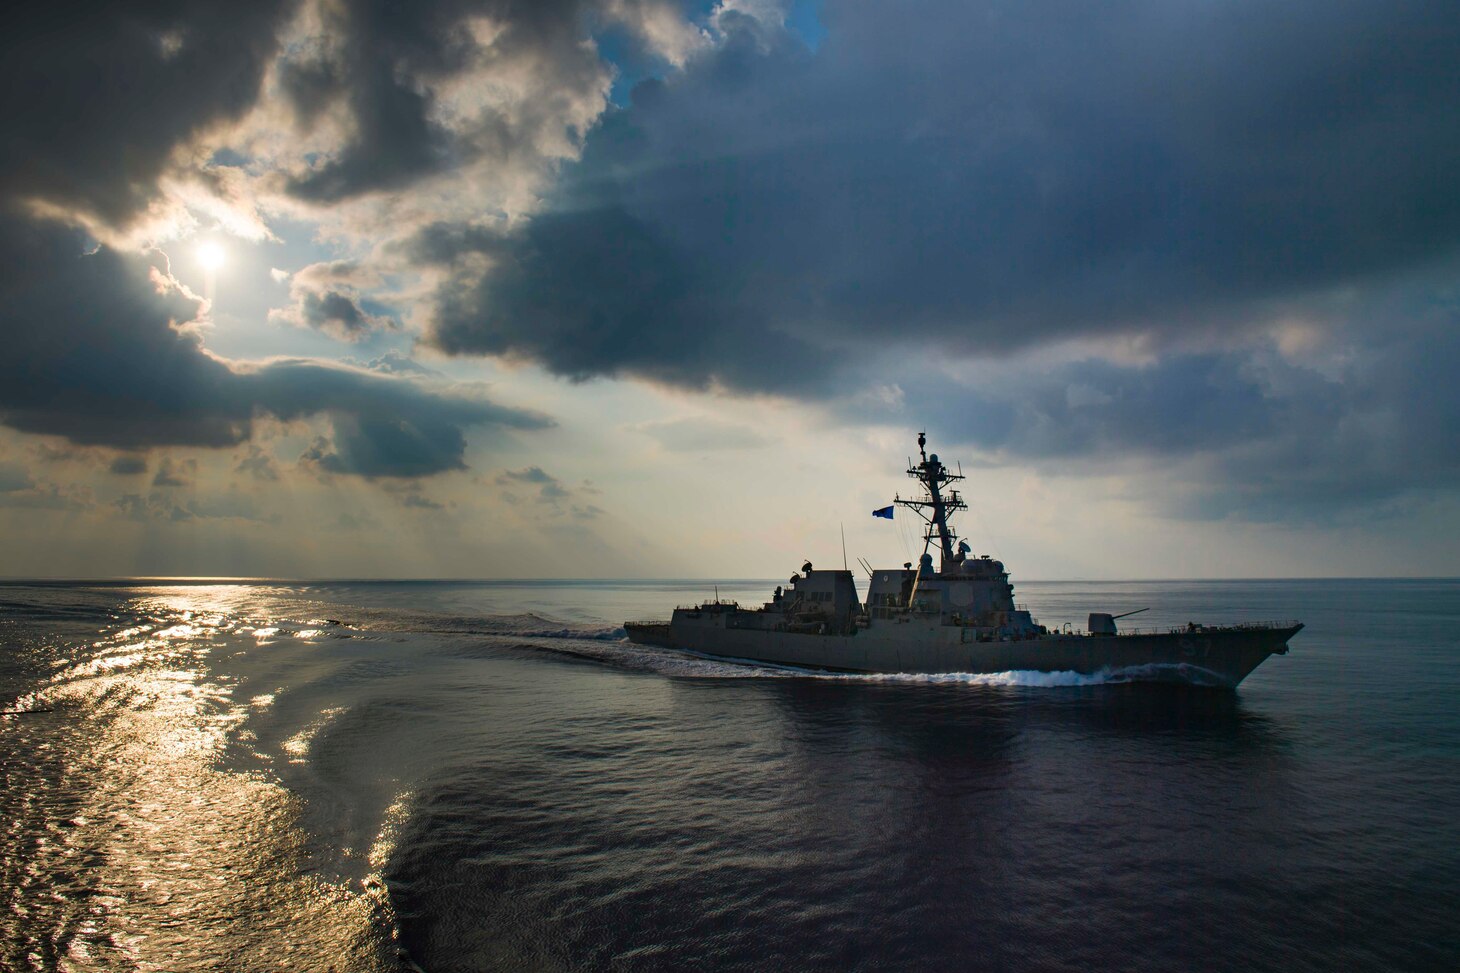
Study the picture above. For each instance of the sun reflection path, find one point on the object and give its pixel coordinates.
(128, 843)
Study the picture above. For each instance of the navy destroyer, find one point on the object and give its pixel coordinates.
(958, 618)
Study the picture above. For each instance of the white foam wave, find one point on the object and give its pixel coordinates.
(1169, 673)
(693, 665)
(617, 649)
(731, 668)
(1181, 672)
(1015, 677)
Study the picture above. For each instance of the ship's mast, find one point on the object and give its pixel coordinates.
(936, 507)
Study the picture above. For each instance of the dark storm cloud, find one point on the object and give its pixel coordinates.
(128, 464)
(1252, 432)
(976, 178)
(602, 293)
(96, 96)
(384, 63)
(1097, 408)
(390, 446)
(98, 352)
(91, 353)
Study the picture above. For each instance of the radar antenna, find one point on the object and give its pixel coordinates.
(935, 507)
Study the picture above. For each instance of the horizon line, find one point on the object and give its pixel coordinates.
(377, 579)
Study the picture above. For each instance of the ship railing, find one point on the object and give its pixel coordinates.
(1246, 626)
(648, 621)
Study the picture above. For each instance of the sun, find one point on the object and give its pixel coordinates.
(211, 255)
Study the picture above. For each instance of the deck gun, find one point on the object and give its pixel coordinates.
(1104, 624)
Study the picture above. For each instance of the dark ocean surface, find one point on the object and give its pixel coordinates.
(485, 776)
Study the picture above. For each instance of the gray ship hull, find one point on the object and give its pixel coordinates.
(1221, 656)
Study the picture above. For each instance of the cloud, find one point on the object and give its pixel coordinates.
(389, 446)
(440, 86)
(47, 496)
(97, 350)
(1069, 236)
(661, 28)
(1066, 235)
(328, 297)
(1253, 431)
(175, 474)
(971, 182)
(258, 464)
(419, 501)
(399, 363)
(550, 489)
(19, 488)
(134, 506)
(102, 351)
(105, 347)
(96, 99)
(128, 464)
(173, 117)
(602, 293)
(14, 477)
(552, 501)
(231, 505)
(336, 313)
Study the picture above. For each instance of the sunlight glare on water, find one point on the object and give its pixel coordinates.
(488, 777)
(131, 843)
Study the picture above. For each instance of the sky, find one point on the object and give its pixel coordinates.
(638, 288)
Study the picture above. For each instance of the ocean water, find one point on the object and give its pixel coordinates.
(485, 776)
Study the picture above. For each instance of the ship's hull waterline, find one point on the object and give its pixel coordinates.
(1209, 656)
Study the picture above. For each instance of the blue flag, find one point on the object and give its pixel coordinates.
(884, 512)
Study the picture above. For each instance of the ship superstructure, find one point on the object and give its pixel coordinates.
(959, 617)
